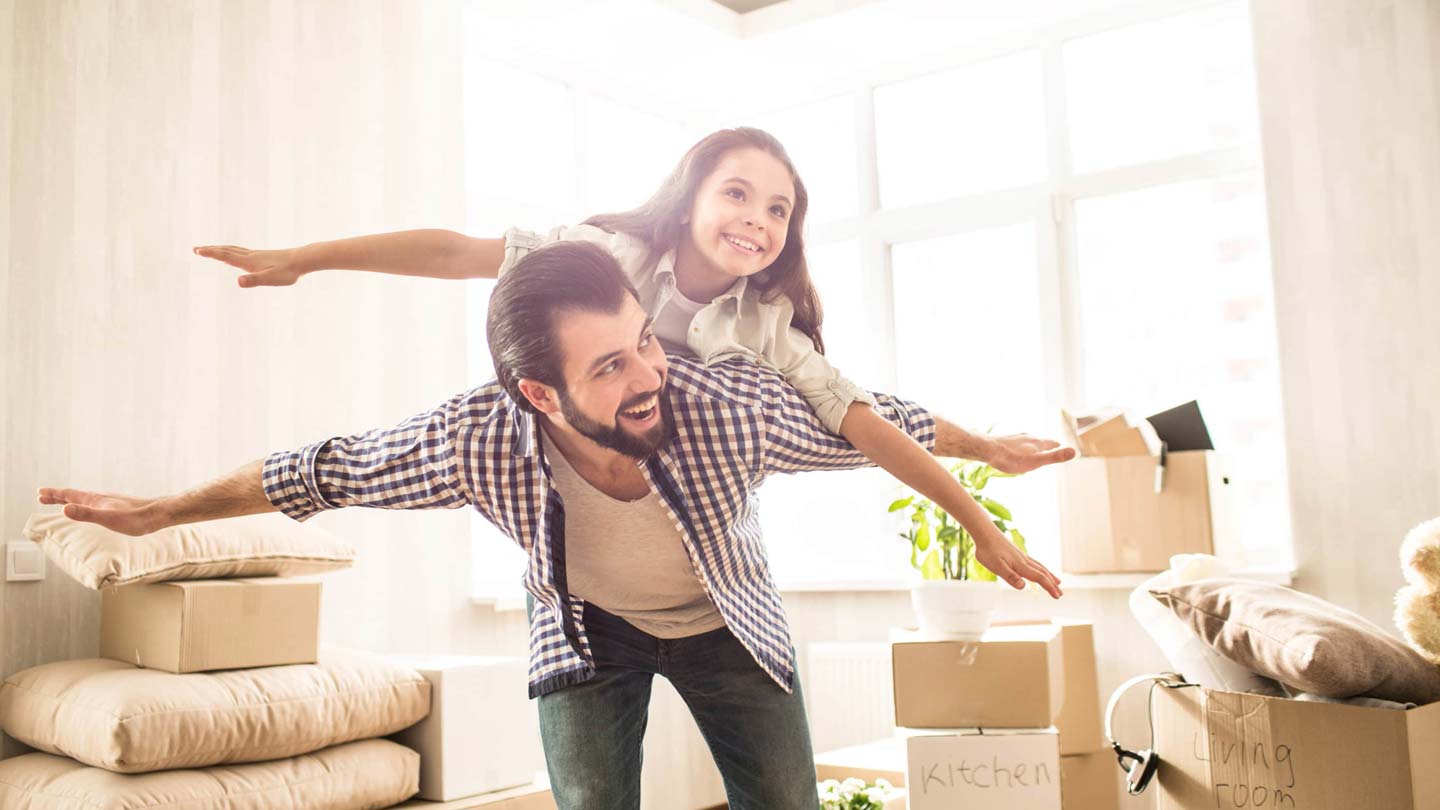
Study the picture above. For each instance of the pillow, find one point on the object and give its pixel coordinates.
(368, 774)
(256, 546)
(1185, 652)
(119, 717)
(1302, 641)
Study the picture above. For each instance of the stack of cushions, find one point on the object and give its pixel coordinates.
(1257, 634)
(294, 737)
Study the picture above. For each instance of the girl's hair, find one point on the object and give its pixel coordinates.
(660, 222)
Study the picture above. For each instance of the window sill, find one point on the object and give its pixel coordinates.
(1071, 582)
(509, 602)
(501, 602)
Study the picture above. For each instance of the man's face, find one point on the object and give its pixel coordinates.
(614, 372)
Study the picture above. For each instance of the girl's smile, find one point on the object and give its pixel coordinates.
(738, 224)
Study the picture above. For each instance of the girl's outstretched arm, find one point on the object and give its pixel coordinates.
(1016, 453)
(431, 253)
(903, 457)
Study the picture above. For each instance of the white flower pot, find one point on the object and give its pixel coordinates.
(954, 609)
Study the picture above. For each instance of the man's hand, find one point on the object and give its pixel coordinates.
(120, 513)
(1014, 566)
(1021, 453)
(242, 492)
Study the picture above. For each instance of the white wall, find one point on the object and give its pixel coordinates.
(1350, 118)
(137, 129)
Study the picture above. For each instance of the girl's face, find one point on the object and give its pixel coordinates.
(741, 215)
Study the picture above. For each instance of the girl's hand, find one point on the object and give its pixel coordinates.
(1021, 453)
(1014, 566)
(119, 513)
(262, 268)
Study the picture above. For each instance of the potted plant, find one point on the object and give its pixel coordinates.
(956, 594)
(854, 794)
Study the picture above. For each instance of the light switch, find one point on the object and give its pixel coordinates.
(24, 562)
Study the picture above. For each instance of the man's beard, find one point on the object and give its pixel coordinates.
(617, 438)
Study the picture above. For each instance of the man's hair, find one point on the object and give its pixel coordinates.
(528, 301)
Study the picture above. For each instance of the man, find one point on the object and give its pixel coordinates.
(628, 480)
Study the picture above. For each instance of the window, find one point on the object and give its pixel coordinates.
(820, 139)
(1177, 305)
(517, 175)
(1158, 90)
(1058, 218)
(968, 344)
(627, 155)
(976, 128)
(533, 176)
(1017, 229)
(514, 176)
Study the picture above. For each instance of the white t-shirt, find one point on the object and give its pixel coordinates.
(627, 558)
(672, 323)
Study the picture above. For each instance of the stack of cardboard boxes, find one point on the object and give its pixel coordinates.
(1011, 721)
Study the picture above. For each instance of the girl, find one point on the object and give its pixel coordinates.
(718, 259)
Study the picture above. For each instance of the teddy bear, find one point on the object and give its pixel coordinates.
(1417, 605)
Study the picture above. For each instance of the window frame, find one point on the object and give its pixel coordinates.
(1048, 206)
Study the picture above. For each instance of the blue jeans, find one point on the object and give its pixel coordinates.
(757, 733)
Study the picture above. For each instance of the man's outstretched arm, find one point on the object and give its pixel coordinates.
(239, 493)
(410, 466)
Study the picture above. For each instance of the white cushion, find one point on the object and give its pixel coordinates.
(119, 717)
(354, 776)
(255, 546)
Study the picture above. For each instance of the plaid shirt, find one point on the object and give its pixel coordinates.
(736, 423)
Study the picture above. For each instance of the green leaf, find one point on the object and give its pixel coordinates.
(901, 504)
(1018, 538)
(983, 477)
(996, 508)
(931, 568)
(922, 536)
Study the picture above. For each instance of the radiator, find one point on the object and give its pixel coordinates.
(849, 696)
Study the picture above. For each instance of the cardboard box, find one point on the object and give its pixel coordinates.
(984, 769)
(533, 796)
(1113, 520)
(1016, 687)
(881, 759)
(1112, 434)
(209, 624)
(1229, 749)
(1010, 678)
(1079, 721)
(1090, 781)
(482, 733)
